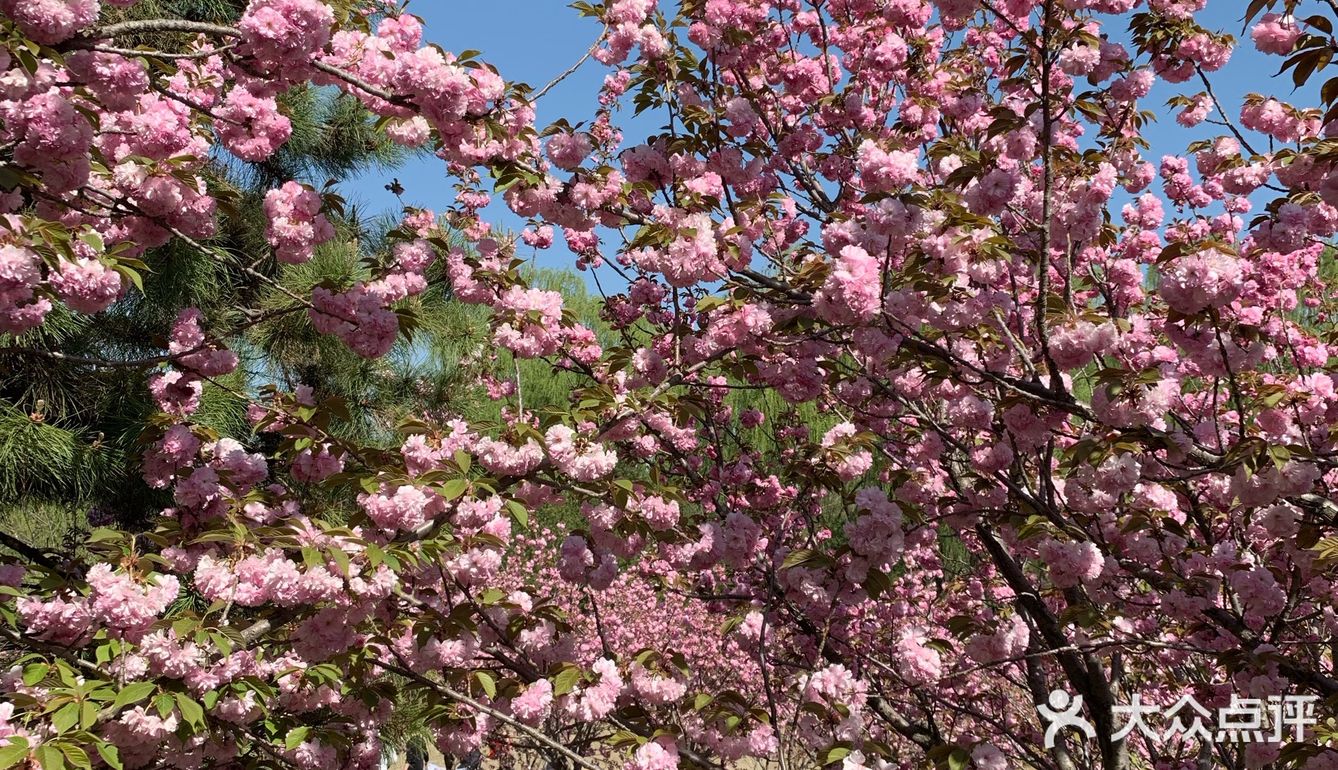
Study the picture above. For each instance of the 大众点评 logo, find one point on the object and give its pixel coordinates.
(1244, 720)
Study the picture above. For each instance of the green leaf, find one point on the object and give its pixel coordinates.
(88, 715)
(76, 755)
(836, 754)
(295, 737)
(877, 584)
(190, 709)
(566, 681)
(65, 718)
(132, 694)
(800, 557)
(519, 512)
(35, 673)
(131, 275)
(9, 179)
(626, 738)
(102, 534)
(93, 240)
(341, 560)
(110, 754)
(454, 488)
(15, 750)
(486, 681)
(49, 757)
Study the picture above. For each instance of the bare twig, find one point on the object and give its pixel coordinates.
(572, 69)
(156, 54)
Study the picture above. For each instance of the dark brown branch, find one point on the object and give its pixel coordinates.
(31, 553)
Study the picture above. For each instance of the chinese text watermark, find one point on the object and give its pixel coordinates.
(1245, 720)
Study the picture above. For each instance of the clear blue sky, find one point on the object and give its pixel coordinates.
(532, 41)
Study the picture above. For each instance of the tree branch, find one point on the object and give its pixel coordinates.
(164, 25)
(460, 697)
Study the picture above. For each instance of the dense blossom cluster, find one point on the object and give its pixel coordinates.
(296, 224)
(925, 389)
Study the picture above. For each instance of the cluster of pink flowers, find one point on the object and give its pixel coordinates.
(876, 536)
(87, 284)
(659, 754)
(693, 256)
(533, 321)
(1008, 640)
(115, 80)
(853, 293)
(1075, 346)
(1278, 120)
(51, 136)
(316, 464)
(504, 459)
(403, 509)
(866, 213)
(1196, 111)
(191, 350)
(594, 701)
(296, 224)
(835, 686)
(628, 29)
(125, 605)
(1196, 282)
(1260, 595)
(568, 151)
(653, 688)
(250, 125)
(582, 459)
(849, 463)
(885, 171)
(918, 662)
(1275, 34)
(175, 451)
(52, 21)
(444, 92)
(359, 316)
(20, 272)
(63, 621)
(176, 392)
(285, 34)
(660, 514)
(578, 563)
(1071, 563)
(532, 705)
(269, 577)
(138, 731)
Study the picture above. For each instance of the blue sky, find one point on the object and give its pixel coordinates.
(532, 41)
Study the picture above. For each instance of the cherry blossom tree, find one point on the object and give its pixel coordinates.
(928, 392)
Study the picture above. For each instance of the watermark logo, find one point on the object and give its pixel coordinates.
(1244, 720)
